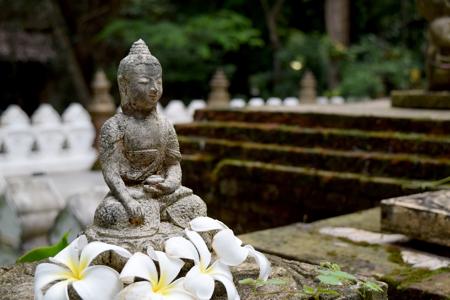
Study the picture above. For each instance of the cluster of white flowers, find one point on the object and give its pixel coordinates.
(144, 278)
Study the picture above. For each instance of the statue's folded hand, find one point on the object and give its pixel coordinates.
(135, 212)
(161, 188)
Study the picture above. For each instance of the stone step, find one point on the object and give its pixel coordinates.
(424, 216)
(385, 119)
(368, 163)
(340, 139)
(251, 195)
(307, 243)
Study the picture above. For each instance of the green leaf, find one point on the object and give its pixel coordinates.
(328, 279)
(247, 281)
(341, 275)
(44, 252)
(328, 292)
(372, 286)
(309, 290)
(276, 281)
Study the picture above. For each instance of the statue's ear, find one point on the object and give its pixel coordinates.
(122, 84)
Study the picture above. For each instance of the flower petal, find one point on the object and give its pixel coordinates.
(221, 269)
(139, 290)
(70, 256)
(93, 249)
(98, 283)
(199, 284)
(228, 248)
(58, 291)
(201, 224)
(264, 264)
(169, 267)
(139, 265)
(181, 248)
(197, 240)
(177, 291)
(45, 274)
(232, 293)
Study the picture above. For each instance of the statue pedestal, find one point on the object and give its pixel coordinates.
(421, 99)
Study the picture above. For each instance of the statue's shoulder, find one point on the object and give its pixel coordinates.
(167, 124)
(112, 129)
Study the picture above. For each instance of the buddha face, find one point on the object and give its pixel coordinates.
(141, 87)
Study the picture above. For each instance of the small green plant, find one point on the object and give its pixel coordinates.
(318, 291)
(40, 253)
(331, 274)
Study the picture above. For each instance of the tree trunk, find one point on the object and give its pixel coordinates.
(271, 15)
(61, 34)
(337, 21)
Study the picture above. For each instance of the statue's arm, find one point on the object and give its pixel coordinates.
(172, 158)
(110, 156)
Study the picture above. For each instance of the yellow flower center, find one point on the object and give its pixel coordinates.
(76, 271)
(205, 269)
(161, 287)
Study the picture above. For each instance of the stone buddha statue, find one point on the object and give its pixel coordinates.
(437, 12)
(140, 159)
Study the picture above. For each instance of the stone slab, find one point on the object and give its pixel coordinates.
(78, 213)
(304, 242)
(421, 99)
(10, 230)
(35, 201)
(377, 115)
(30, 194)
(424, 216)
(16, 283)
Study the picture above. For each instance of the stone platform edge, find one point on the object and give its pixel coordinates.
(421, 99)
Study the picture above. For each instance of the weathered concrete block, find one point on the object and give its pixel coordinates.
(36, 202)
(78, 213)
(424, 216)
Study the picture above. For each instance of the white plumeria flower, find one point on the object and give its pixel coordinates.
(228, 247)
(154, 287)
(200, 278)
(71, 266)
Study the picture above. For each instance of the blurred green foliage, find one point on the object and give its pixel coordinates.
(373, 67)
(193, 38)
(191, 50)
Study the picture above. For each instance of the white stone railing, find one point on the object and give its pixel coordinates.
(46, 143)
(177, 112)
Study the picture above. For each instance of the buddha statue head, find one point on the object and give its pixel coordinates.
(140, 80)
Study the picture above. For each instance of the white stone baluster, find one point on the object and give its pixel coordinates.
(322, 100)
(256, 101)
(79, 130)
(176, 112)
(193, 106)
(48, 130)
(337, 100)
(274, 101)
(291, 101)
(237, 103)
(17, 138)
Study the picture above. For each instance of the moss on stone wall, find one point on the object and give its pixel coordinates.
(326, 120)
